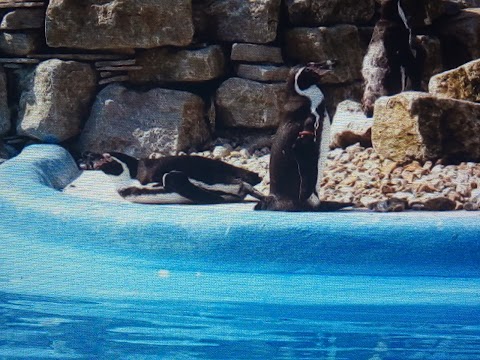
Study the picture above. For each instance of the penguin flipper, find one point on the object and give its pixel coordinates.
(326, 206)
(178, 182)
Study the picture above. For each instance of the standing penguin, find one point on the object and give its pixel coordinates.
(300, 145)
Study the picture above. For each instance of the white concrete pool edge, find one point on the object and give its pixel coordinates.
(233, 237)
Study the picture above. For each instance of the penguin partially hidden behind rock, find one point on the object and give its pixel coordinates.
(174, 179)
(300, 145)
(394, 61)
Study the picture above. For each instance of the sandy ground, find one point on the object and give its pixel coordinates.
(93, 185)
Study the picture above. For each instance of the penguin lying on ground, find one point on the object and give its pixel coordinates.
(300, 145)
(174, 179)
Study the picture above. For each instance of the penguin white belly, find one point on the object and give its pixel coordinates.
(165, 198)
(233, 189)
(152, 193)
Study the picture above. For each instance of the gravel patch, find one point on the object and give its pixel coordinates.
(357, 174)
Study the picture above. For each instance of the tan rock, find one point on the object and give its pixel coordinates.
(327, 12)
(462, 83)
(182, 65)
(256, 53)
(263, 73)
(118, 24)
(253, 21)
(56, 101)
(350, 126)
(250, 104)
(140, 123)
(418, 126)
(340, 42)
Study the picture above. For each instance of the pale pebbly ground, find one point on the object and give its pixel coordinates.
(354, 174)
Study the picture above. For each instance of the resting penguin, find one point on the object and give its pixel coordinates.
(300, 145)
(174, 179)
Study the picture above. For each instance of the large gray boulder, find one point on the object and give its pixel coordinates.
(252, 21)
(419, 126)
(4, 110)
(140, 123)
(328, 12)
(56, 101)
(462, 83)
(249, 104)
(341, 42)
(183, 65)
(118, 24)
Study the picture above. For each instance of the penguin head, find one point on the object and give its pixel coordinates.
(111, 163)
(305, 84)
(311, 75)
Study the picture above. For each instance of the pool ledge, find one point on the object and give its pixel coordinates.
(234, 237)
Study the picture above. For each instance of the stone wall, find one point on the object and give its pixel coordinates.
(140, 76)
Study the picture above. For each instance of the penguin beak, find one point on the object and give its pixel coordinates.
(324, 65)
(320, 69)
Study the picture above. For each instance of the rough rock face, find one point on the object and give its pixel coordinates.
(252, 21)
(425, 12)
(340, 42)
(467, 3)
(327, 12)
(4, 111)
(263, 73)
(460, 36)
(6, 152)
(256, 53)
(118, 24)
(19, 44)
(169, 64)
(350, 126)
(419, 126)
(433, 60)
(23, 19)
(57, 100)
(336, 93)
(462, 83)
(138, 124)
(250, 104)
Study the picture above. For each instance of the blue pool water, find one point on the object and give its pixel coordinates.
(89, 280)
(63, 328)
(62, 301)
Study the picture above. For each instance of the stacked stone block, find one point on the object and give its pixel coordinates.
(174, 59)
